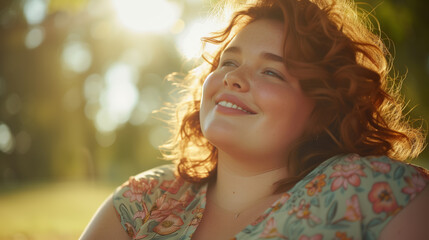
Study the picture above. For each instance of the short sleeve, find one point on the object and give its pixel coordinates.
(389, 188)
(133, 199)
(349, 197)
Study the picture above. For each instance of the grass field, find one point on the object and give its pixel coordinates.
(49, 211)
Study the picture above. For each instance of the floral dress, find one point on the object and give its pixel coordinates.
(345, 197)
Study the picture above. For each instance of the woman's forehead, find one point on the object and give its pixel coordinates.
(261, 35)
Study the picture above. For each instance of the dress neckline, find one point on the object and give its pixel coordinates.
(276, 205)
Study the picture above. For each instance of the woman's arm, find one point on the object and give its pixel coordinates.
(105, 224)
(412, 222)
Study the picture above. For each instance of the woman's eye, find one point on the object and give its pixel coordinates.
(228, 64)
(273, 74)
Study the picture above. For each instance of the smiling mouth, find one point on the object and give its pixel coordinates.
(233, 106)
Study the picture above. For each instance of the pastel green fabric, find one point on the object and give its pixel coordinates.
(346, 197)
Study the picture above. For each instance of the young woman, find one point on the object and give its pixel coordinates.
(290, 130)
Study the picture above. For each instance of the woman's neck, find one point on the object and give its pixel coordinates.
(238, 188)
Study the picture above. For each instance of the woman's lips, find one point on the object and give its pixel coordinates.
(232, 103)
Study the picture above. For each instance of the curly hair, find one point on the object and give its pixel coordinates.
(340, 64)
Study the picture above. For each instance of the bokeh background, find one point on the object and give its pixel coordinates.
(79, 80)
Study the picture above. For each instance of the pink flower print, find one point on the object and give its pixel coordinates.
(172, 186)
(415, 184)
(259, 219)
(169, 225)
(316, 185)
(139, 187)
(346, 174)
(195, 221)
(353, 212)
(279, 203)
(352, 157)
(314, 237)
(382, 198)
(144, 215)
(164, 207)
(303, 212)
(198, 215)
(131, 232)
(342, 236)
(198, 210)
(187, 198)
(380, 167)
(283, 199)
(270, 230)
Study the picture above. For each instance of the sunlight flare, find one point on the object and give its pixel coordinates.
(147, 15)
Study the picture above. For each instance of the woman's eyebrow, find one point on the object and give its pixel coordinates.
(232, 50)
(272, 57)
(265, 55)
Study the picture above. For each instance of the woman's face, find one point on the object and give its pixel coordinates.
(251, 107)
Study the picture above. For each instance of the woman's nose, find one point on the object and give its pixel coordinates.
(236, 81)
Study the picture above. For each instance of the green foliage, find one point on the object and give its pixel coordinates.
(53, 122)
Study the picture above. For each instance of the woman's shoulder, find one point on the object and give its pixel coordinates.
(383, 184)
(359, 175)
(371, 168)
(160, 172)
(145, 197)
(145, 182)
(150, 184)
(351, 195)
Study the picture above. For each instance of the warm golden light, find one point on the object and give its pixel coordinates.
(147, 15)
(189, 41)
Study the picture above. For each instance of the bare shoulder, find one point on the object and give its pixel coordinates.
(412, 222)
(105, 224)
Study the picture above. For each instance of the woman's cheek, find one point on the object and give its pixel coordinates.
(212, 84)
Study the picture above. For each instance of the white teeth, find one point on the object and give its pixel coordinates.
(231, 105)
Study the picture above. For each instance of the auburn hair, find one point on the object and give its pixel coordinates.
(340, 64)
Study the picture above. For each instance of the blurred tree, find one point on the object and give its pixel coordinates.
(405, 23)
(76, 87)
